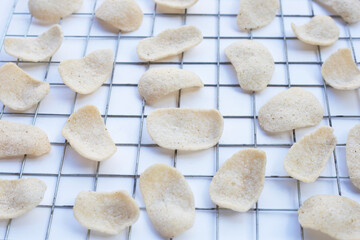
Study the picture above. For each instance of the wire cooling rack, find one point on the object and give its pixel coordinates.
(66, 173)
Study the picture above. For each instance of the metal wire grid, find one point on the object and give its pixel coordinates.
(142, 116)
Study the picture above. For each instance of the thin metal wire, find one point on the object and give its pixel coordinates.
(143, 116)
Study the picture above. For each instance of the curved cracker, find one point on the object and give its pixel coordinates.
(340, 71)
(86, 132)
(336, 216)
(125, 15)
(176, 4)
(291, 109)
(253, 63)
(185, 128)
(168, 43)
(18, 90)
(17, 139)
(35, 49)
(349, 10)
(168, 199)
(20, 196)
(159, 82)
(353, 155)
(87, 74)
(307, 158)
(321, 30)
(106, 212)
(240, 180)
(51, 11)
(255, 14)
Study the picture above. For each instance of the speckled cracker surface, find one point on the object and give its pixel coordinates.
(18, 197)
(320, 30)
(349, 10)
(51, 11)
(159, 82)
(185, 128)
(290, 109)
(239, 181)
(168, 199)
(17, 139)
(87, 74)
(353, 155)
(340, 71)
(336, 216)
(86, 132)
(106, 212)
(36, 49)
(18, 90)
(170, 42)
(253, 63)
(177, 4)
(255, 14)
(125, 15)
(307, 158)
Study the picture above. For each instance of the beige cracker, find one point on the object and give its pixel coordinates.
(176, 4)
(349, 10)
(353, 155)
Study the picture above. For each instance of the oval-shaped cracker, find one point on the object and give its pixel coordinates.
(349, 10)
(17, 139)
(185, 128)
(307, 158)
(86, 132)
(51, 11)
(125, 15)
(18, 90)
(290, 109)
(106, 212)
(176, 4)
(20, 196)
(353, 155)
(35, 49)
(159, 82)
(336, 216)
(321, 30)
(340, 71)
(253, 63)
(168, 43)
(239, 181)
(254, 14)
(168, 199)
(87, 74)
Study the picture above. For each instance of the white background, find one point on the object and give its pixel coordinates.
(66, 173)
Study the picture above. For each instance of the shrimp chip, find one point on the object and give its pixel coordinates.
(176, 4)
(353, 155)
(168, 199)
(336, 216)
(340, 71)
(86, 132)
(255, 14)
(20, 196)
(239, 181)
(307, 158)
(18, 90)
(17, 139)
(52, 10)
(349, 10)
(87, 74)
(170, 42)
(159, 82)
(106, 212)
(35, 49)
(321, 30)
(253, 63)
(185, 128)
(290, 109)
(125, 15)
